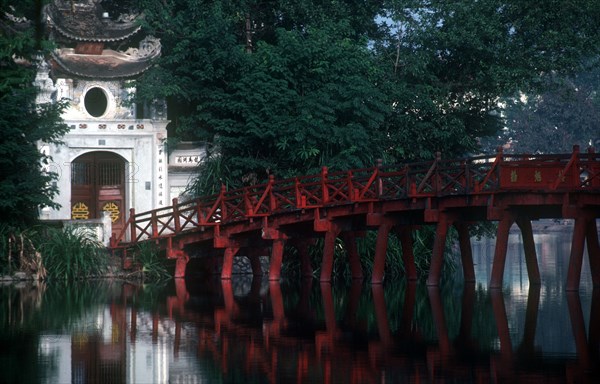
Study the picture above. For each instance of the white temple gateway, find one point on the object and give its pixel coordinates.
(114, 156)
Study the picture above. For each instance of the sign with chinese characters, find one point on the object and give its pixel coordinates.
(161, 180)
(524, 175)
(189, 160)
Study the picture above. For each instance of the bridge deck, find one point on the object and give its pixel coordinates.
(504, 188)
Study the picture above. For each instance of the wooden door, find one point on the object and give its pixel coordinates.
(98, 185)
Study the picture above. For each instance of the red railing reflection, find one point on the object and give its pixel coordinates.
(291, 345)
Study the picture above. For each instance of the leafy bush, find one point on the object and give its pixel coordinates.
(153, 267)
(71, 253)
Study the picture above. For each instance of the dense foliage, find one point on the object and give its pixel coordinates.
(566, 114)
(24, 185)
(283, 87)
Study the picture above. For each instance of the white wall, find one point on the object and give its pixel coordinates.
(138, 141)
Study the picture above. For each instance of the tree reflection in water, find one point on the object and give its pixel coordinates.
(204, 330)
(293, 332)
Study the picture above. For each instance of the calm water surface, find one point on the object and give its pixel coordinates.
(246, 331)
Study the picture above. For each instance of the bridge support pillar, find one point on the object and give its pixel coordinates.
(328, 252)
(437, 256)
(593, 247)
(500, 252)
(466, 253)
(533, 271)
(353, 256)
(278, 239)
(585, 229)
(380, 253)
(181, 260)
(230, 252)
(408, 257)
(276, 259)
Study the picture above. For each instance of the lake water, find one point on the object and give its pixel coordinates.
(245, 331)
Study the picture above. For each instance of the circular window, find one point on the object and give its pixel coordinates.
(95, 102)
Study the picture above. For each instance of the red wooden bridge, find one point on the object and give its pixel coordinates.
(506, 188)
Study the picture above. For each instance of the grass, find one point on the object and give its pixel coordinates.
(72, 253)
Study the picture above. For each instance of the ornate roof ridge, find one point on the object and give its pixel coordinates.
(82, 21)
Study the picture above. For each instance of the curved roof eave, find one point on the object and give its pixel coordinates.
(101, 66)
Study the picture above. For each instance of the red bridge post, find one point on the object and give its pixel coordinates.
(132, 225)
(181, 258)
(585, 229)
(437, 255)
(324, 185)
(500, 252)
(278, 239)
(593, 247)
(329, 251)
(175, 206)
(533, 271)
(228, 256)
(349, 240)
(380, 252)
(576, 257)
(276, 259)
(408, 258)
(466, 253)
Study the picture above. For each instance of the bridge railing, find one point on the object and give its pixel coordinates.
(440, 177)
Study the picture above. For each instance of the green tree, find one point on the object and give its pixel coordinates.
(284, 87)
(452, 62)
(566, 114)
(24, 185)
(276, 88)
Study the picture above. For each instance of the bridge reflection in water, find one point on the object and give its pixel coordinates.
(311, 332)
(253, 330)
(323, 335)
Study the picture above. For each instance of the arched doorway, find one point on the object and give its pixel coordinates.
(97, 185)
